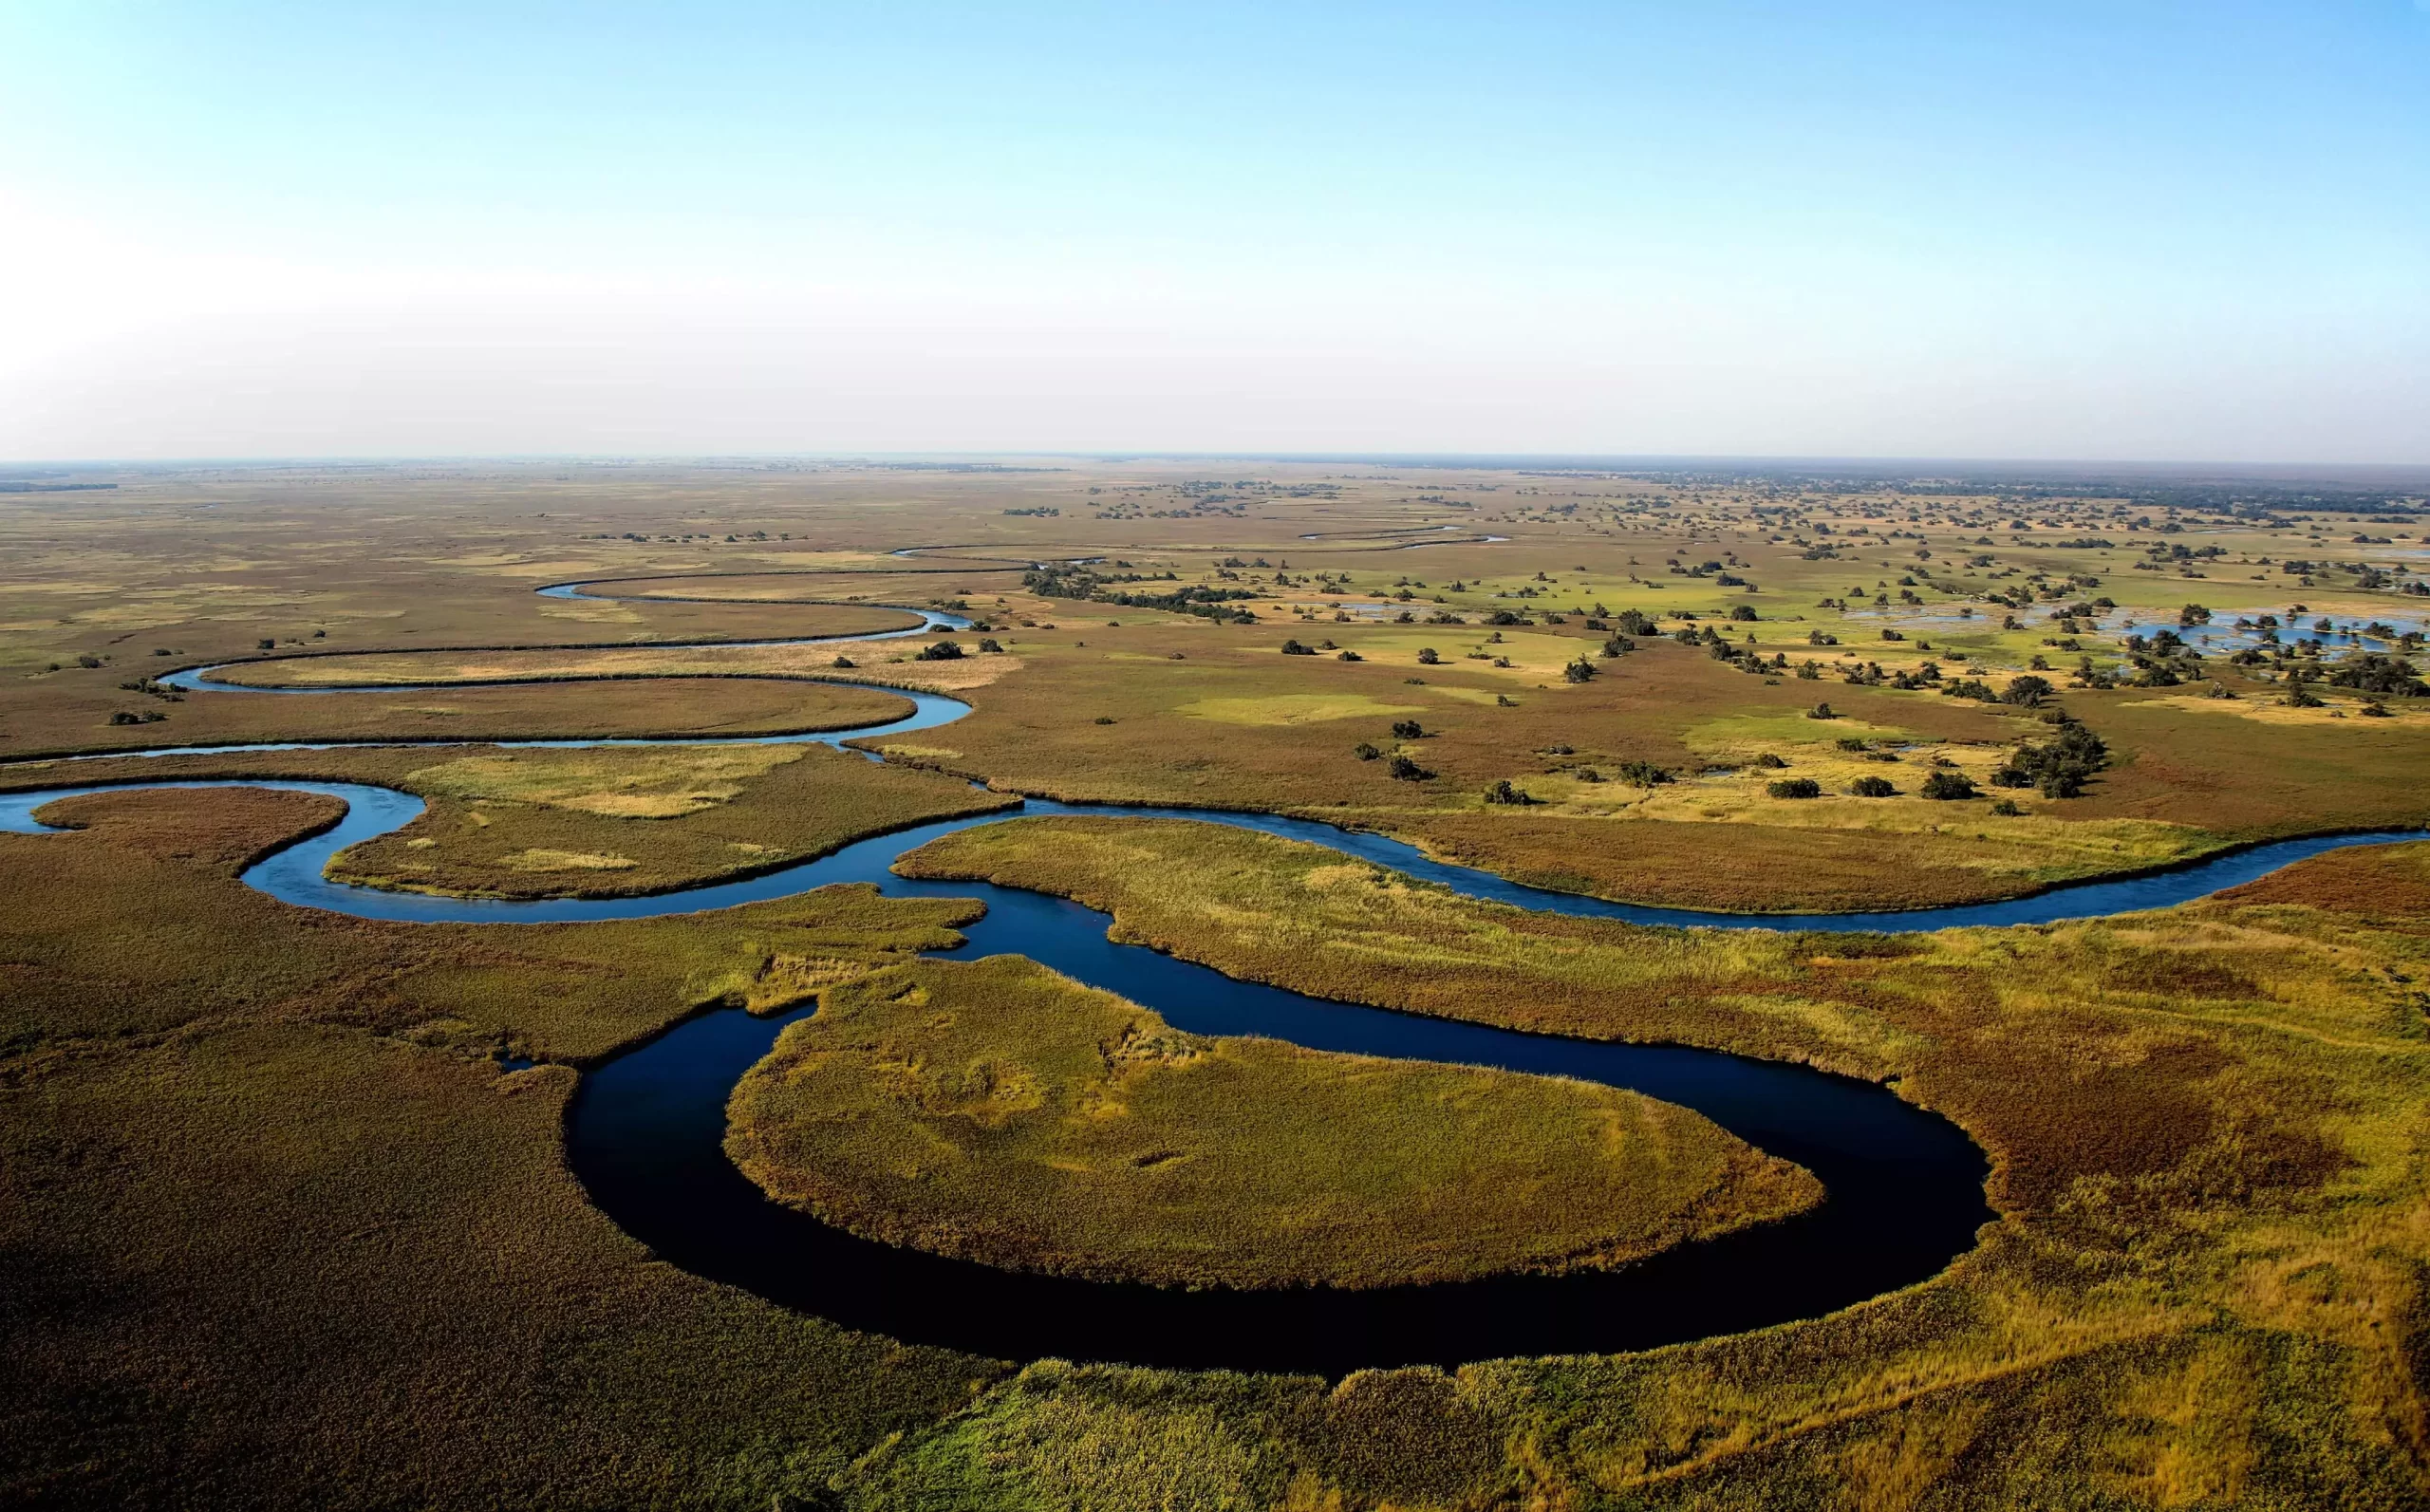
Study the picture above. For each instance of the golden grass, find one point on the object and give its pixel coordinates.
(888, 661)
(996, 1110)
(274, 1233)
(622, 782)
(1296, 708)
(2205, 1130)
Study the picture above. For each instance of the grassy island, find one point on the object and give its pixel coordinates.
(997, 1111)
(621, 820)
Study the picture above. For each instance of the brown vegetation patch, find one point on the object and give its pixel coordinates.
(224, 830)
(2378, 882)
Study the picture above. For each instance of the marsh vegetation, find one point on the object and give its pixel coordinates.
(279, 1227)
(999, 1111)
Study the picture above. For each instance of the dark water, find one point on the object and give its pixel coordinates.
(1905, 1193)
(645, 1130)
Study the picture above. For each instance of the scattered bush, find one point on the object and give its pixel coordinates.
(1872, 787)
(1821, 711)
(1795, 788)
(1503, 791)
(940, 651)
(1768, 763)
(2026, 692)
(1948, 785)
(1644, 774)
(1408, 730)
(1405, 770)
(2376, 672)
(1294, 649)
(1365, 752)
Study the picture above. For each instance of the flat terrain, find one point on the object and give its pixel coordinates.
(996, 1112)
(286, 1220)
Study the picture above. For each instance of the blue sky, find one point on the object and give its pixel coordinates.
(2153, 231)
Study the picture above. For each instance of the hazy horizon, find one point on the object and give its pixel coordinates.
(2163, 234)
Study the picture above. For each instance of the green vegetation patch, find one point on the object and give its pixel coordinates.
(618, 782)
(627, 820)
(1295, 708)
(997, 1111)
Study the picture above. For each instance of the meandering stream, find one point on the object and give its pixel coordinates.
(646, 1130)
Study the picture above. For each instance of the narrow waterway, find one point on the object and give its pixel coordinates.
(646, 1128)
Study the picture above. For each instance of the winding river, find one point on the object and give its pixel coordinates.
(644, 1132)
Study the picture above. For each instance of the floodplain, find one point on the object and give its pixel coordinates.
(288, 1214)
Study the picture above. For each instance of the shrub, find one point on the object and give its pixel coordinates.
(2373, 709)
(1742, 611)
(1408, 730)
(1503, 791)
(2007, 808)
(990, 645)
(2376, 672)
(1365, 752)
(1294, 649)
(1405, 770)
(1644, 773)
(1581, 670)
(1872, 787)
(1820, 711)
(1427, 656)
(1350, 656)
(846, 661)
(1768, 763)
(1948, 785)
(2060, 768)
(940, 651)
(1631, 621)
(1795, 788)
(2026, 692)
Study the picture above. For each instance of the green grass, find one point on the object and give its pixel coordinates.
(627, 820)
(614, 821)
(2205, 1285)
(276, 1232)
(996, 1110)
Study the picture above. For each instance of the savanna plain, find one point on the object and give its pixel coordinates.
(288, 1217)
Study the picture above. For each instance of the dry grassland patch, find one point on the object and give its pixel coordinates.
(1295, 708)
(629, 783)
(566, 861)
